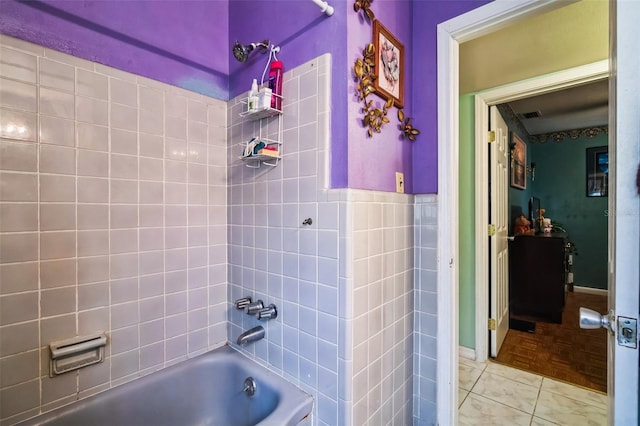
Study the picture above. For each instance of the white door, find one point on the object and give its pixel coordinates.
(499, 187)
(624, 208)
(624, 216)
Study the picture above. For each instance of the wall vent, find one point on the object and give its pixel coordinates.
(529, 115)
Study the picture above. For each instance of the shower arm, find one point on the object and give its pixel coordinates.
(324, 7)
(262, 44)
(241, 51)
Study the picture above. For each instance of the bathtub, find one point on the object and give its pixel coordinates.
(205, 390)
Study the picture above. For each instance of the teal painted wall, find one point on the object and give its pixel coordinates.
(467, 236)
(561, 186)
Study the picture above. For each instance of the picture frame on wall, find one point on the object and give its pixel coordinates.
(518, 162)
(597, 171)
(389, 65)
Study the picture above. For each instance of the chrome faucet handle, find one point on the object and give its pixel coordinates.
(270, 312)
(254, 308)
(243, 302)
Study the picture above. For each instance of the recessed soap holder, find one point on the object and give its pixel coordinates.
(77, 352)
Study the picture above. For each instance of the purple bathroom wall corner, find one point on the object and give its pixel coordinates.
(303, 33)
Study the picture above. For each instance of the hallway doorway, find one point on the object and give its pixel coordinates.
(622, 373)
(521, 90)
(557, 130)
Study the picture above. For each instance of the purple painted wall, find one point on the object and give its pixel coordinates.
(357, 161)
(188, 44)
(183, 43)
(373, 162)
(303, 33)
(426, 16)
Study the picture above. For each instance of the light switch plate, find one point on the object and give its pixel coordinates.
(400, 182)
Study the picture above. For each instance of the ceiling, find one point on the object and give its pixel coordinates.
(574, 108)
(567, 37)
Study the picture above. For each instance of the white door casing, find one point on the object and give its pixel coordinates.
(470, 25)
(499, 160)
(473, 24)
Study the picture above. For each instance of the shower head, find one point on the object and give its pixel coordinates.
(241, 51)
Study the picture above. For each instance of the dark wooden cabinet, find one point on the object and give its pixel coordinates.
(537, 276)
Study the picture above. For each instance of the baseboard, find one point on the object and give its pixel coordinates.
(590, 290)
(467, 353)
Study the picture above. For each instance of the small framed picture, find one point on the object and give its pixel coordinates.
(598, 171)
(518, 162)
(389, 65)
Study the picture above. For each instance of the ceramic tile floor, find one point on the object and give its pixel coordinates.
(494, 394)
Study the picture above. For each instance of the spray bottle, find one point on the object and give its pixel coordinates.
(252, 100)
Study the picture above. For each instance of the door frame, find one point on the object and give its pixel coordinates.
(483, 100)
(468, 26)
(624, 200)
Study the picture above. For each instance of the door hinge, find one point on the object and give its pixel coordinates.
(491, 136)
(492, 324)
(491, 229)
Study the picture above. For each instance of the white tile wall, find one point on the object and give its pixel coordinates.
(272, 256)
(343, 285)
(425, 324)
(112, 195)
(116, 207)
(379, 311)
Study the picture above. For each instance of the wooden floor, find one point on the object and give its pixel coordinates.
(562, 351)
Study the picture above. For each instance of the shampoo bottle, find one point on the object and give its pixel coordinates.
(275, 84)
(253, 96)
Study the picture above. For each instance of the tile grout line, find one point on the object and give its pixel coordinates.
(535, 405)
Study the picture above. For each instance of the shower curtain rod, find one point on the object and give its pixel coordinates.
(324, 7)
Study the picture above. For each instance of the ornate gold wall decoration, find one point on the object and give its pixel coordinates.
(374, 118)
(407, 129)
(363, 68)
(365, 6)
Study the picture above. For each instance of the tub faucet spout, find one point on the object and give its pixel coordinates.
(256, 333)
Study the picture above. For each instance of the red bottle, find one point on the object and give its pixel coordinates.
(275, 84)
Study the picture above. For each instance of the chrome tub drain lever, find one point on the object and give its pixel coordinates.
(249, 386)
